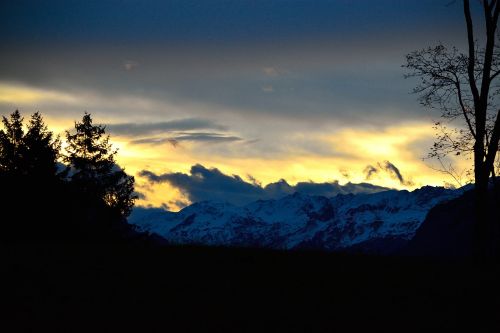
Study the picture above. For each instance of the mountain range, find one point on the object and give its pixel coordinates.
(376, 223)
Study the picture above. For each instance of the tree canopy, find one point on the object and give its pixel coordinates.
(79, 193)
(93, 168)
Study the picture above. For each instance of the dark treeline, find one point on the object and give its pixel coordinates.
(50, 193)
(208, 289)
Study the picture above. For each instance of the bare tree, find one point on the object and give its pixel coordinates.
(464, 87)
(459, 177)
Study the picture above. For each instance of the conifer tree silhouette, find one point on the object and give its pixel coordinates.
(11, 139)
(93, 168)
(40, 150)
(31, 188)
(33, 153)
(87, 202)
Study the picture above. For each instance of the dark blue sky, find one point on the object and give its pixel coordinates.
(218, 20)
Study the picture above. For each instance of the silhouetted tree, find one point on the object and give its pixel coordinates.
(120, 193)
(463, 87)
(33, 153)
(11, 139)
(30, 185)
(40, 150)
(93, 169)
(85, 203)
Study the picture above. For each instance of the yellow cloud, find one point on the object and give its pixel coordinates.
(18, 94)
(357, 147)
(387, 143)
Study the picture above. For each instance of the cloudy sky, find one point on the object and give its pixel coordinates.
(249, 92)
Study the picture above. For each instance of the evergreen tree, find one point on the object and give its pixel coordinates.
(40, 150)
(93, 169)
(33, 153)
(11, 139)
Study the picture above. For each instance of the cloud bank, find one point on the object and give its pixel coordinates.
(211, 184)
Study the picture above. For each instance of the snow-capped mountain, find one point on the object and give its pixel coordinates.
(298, 220)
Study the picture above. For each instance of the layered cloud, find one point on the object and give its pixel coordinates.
(211, 184)
(258, 61)
(173, 132)
(332, 75)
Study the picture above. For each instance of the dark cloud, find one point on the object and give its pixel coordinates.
(174, 131)
(207, 137)
(369, 171)
(388, 168)
(323, 89)
(334, 188)
(278, 189)
(392, 170)
(134, 129)
(253, 180)
(344, 173)
(174, 204)
(151, 176)
(198, 137)
(130, 65)
(155, 141)
(140, 195)
(342, 64)
(211, 184)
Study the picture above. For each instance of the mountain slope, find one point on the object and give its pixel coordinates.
(449, 228)
(361, 222)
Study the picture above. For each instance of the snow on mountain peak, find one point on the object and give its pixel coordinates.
(297, 220)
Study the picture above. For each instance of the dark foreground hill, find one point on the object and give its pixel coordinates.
(63, 288)
(60, 277)
(448, 230)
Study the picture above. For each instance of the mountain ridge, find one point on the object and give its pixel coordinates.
(345, 222)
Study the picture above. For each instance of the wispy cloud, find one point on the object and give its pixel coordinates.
(135, 129)
(389, 169)
(155, 141)
(268, 89)
(207, 137)
(130, 65)
(271, 71)
(369, 171)
(195, 137)
(392, 170)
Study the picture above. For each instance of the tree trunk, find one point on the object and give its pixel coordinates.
(483, 237)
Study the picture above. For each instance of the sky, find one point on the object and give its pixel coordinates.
(235, 99)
